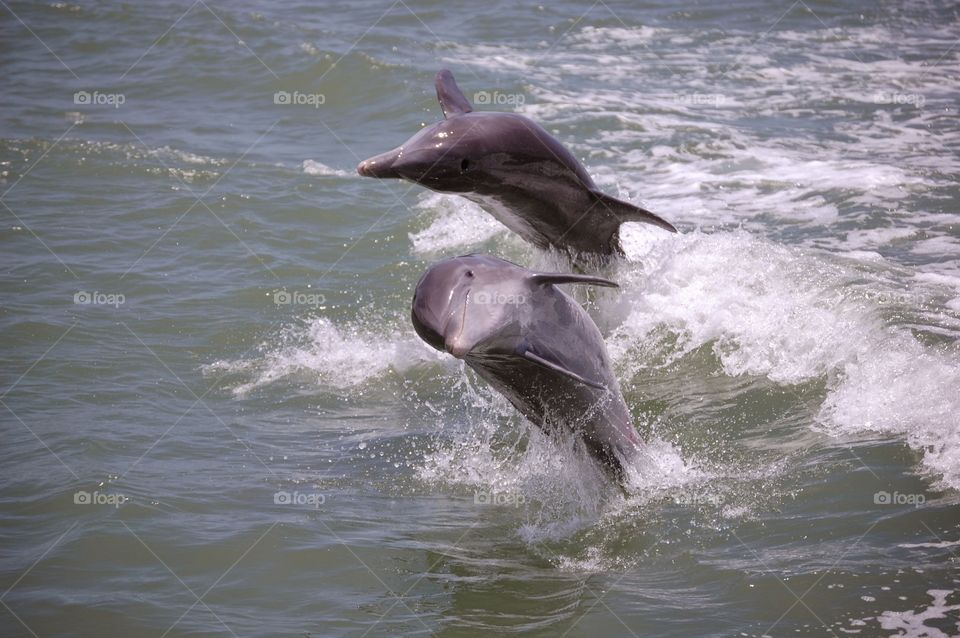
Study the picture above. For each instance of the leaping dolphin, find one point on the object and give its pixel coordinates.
(533, 343)
(518, 172)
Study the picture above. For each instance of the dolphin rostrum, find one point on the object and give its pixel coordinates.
(533, 343)
(517, 171)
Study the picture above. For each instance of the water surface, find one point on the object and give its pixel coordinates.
(261, 468)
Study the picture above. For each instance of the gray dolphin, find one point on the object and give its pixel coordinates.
(515, 170)
(533, 343)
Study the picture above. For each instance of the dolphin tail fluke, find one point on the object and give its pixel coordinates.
(452, 100)
(626, 212)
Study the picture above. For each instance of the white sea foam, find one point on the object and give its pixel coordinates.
(135, 151)
(900, 387)
(913, 624)
(313, 167)
(186, 156)
(792, 316)
(456, 224)
(937, 545)
(738, 293)
(329, 356)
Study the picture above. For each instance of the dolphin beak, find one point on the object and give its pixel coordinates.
(381, 166)
(458, 348)
(454, 340)
(414, 166)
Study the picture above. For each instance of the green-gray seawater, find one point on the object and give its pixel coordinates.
(218, 419)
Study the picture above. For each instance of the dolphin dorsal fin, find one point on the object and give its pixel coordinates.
(556, 367)
(452, 100)
(543, 278)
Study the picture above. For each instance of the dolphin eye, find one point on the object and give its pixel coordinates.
(470, 274)
(464, 165)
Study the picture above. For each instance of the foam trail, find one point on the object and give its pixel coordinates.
(335, 357)
(914, 624)
(793, 317)
(313, 167)
(458, 224)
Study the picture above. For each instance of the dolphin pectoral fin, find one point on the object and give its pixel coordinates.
(626, 212)
(544, 278)
(535, 358)
(452, 99)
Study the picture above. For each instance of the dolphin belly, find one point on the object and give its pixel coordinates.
(559, 216)
(598, 417)
(510, 217)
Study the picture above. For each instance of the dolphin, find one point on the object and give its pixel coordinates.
(534, 344)
(518, 172)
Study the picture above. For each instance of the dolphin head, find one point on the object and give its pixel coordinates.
(450, 155)
(472, 304)
(444, 156)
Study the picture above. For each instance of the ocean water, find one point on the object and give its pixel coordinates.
(218, 420)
